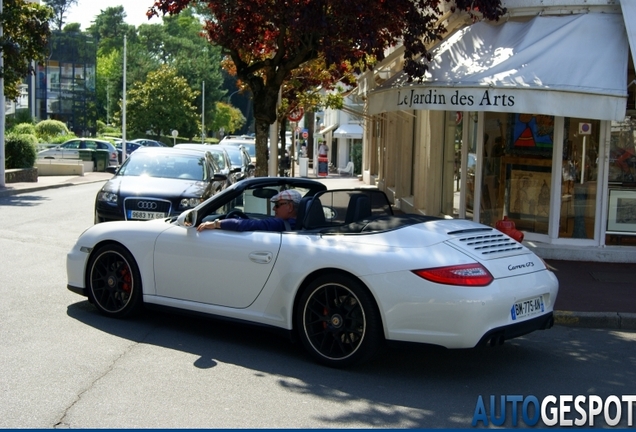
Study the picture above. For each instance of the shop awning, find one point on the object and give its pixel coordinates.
(573, 66)
(348, 131)
(629, 18)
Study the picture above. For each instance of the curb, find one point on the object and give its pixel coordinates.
(10, 191)
(604, 320)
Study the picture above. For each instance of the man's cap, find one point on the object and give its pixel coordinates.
(289, 195)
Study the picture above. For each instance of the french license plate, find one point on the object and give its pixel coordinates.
(526, 308)
(145, 215)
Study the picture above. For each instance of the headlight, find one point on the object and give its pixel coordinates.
(107, 197)
(187, 203)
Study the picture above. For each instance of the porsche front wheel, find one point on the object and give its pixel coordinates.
(113, 281)
(338, 321)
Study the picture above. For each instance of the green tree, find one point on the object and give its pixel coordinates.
(163, 102)
(109, 29)
(108, 84)
(227, 117)
(72, 28)
(60, 7)
(25, 39)
(178, 42)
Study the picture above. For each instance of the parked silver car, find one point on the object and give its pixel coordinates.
(71, 149)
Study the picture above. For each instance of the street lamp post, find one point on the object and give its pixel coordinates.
(229, 98)
(203, 112)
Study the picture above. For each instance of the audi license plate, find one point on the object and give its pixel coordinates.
(526, 308)
(145, 215)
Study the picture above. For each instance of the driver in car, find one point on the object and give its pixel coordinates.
(285, 209)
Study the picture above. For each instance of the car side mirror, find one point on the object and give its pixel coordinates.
(187, 219)
(235, 170)
(220, 177)
(112, 169)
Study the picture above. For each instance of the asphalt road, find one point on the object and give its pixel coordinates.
(63, 365)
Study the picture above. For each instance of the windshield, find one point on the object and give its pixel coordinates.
(164, 166)
(219, 159)
(235, 156)
(254, 202)
(251, 149)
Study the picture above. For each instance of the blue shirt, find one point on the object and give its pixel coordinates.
(269, 224)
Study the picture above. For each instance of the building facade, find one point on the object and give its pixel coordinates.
(531, 118)
(64, 86)
(342, 131)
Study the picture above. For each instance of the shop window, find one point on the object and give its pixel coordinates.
(579, 175)
(621, 216)
(517, 170)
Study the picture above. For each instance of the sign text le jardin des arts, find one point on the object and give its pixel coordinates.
(547, 101)
(413, 98)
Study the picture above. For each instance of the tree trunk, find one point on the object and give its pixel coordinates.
(265, 100)
(310, 120)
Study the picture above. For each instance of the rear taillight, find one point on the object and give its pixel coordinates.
(462, 275)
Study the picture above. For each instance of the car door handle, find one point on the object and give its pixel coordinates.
(261, 257)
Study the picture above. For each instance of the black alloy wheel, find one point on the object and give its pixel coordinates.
(113, 281)
(338, 321)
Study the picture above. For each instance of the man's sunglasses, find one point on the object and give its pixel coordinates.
(280, 203)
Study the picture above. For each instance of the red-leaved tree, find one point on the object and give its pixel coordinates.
(268, 39)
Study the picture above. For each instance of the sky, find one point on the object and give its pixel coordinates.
(85, 11)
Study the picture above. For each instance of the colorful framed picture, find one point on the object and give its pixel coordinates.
(531, 134)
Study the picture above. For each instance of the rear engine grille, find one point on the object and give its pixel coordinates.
(487, 244)
(147, 204)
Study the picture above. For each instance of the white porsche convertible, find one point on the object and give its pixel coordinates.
(350, 276)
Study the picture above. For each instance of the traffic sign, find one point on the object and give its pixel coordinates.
(296, 114)
(305, 134)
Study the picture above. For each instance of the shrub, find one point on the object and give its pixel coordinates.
(24, 128)
(51, 128)
(60, 139)
(20, 150)
(111, 130)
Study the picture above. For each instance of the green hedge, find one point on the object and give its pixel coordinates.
(23, 128)
(48, 129)
(20, 150)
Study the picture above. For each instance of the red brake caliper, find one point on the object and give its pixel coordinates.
(125, 275)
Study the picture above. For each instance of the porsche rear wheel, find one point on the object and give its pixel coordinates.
(113, 281)
(338, 321)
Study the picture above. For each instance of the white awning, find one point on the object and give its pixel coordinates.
(573, 66)
(348, 131)
(629, 18)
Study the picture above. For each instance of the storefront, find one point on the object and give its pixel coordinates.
(536, 123)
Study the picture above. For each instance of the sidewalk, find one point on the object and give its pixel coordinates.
(50, 182)
(591, 294)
